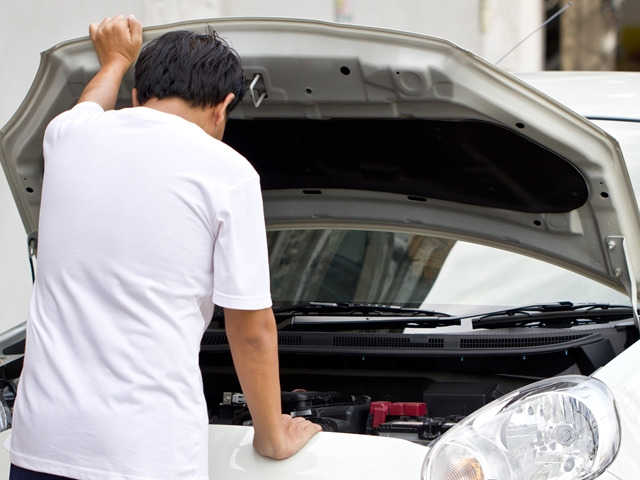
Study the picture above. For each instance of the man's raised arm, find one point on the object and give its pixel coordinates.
(117, 42)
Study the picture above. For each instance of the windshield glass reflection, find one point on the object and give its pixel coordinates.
(417, 271)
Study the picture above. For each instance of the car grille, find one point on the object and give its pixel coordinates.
(408, 342)
(516, 342)
(395, 342)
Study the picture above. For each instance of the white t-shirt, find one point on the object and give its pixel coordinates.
(146, 222)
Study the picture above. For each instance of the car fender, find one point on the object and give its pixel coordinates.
(622, 376)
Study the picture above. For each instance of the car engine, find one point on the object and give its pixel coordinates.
(347, 413)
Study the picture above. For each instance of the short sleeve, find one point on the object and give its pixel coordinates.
(240, 257)
(60, 125)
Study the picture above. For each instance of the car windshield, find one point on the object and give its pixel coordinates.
(417, 271)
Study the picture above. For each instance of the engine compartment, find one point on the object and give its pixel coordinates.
(347, 413)
(378, 386)
(412, 407)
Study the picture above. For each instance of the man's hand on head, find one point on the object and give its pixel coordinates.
(117, 40)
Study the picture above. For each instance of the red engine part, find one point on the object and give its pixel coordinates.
(380, 410)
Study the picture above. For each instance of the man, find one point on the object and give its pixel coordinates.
(147, 220)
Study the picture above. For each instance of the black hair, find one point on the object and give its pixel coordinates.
(199, 68)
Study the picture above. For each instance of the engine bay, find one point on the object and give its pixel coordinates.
(372, 384)
(345, 413)
(416, 407)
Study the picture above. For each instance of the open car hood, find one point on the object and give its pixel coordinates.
(388, 130)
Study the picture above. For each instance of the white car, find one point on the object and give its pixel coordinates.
(420, 203)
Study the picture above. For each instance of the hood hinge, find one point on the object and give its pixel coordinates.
(619, 258)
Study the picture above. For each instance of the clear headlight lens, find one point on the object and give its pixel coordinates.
(562, 428)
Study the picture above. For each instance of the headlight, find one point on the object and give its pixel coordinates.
(562, 428)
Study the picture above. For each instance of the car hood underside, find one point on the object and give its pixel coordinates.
(387, 130)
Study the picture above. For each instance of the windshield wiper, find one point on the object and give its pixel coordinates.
(358, 316)
(558, 315)
(347, 308)
(330, 323)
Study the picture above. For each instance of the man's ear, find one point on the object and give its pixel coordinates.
(134, 97)
(220, 111)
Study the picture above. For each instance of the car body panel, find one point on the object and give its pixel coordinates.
(592, 94)
(608, 476)
(327, 456)
(622, 376)
(395, 75)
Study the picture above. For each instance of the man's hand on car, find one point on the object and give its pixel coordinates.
(253, 339)
(117, 42)
(296, 432)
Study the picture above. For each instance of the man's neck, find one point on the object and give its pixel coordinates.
(180, 107)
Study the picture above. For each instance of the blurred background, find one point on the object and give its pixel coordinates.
(587, 35)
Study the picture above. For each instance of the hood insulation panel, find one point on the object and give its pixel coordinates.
(466, 161)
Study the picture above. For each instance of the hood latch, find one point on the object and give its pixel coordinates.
(257, 90)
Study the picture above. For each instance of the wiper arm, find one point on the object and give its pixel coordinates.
(347, 308)
(360, 322)
(360, 316)
(561, 314)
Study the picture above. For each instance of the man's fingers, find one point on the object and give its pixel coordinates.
(111, 21)
(120, 22)
(135, 27)
(307, 427)
(116, 23)
(313, 427)
(286, 417)
(114, 41)
(104, 21)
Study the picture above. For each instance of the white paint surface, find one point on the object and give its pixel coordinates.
(328, 456)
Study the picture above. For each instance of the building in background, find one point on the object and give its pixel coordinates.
(589, 36)
(629, 35)
(593, 35)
